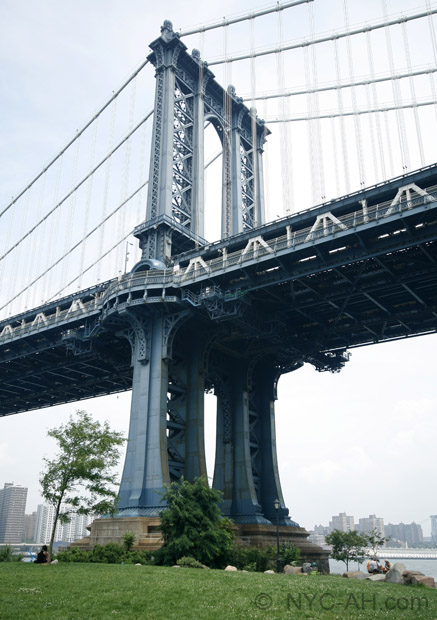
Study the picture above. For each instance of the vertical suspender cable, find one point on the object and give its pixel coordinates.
(106, 189)
(397, 98)
(71, 207)
(316, 107)
(342, 121)
(383, 175)
(86, 215)
(54, 227)
(37, 243)
(310, 128)
(357, 122)
(434, 50)
(413, 95)
(389, 146)
(372, 117)
(335, 162)
(287, 177)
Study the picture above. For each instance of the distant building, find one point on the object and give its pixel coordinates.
(434, 529)
(342, 522)
(321, 530)
(370, 523)
(29, 528)
(407, 532)
(69, 532)
(317, 539)
(12, 507)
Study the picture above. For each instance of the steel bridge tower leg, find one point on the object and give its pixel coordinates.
(246, 468)
(146, 466)
(166, 433)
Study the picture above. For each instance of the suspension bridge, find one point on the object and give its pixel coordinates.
(348, 261)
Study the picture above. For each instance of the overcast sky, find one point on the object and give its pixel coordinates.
(361, 441)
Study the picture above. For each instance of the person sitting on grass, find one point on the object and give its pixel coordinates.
(374, 567)
(42, 558)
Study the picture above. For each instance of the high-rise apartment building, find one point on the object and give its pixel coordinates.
(407, 532)
(12, 507)
(370, 523)
(69, 532)
(342, 522)
(29, 528)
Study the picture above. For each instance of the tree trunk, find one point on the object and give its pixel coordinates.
(55, 523)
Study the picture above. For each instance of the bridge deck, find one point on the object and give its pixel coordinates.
(302, 289)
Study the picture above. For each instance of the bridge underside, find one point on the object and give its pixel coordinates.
(309, 317)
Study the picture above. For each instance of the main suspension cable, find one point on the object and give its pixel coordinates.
(235, 20)
(77, 135)
(357, 113)
(323, 39)
(328, 87)
(71, 192)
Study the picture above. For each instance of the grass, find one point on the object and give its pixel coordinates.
(96, 591)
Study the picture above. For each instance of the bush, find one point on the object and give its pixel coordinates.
(188, 562)
(7, 555)
(73, 554)
(254, 559)
(289, 554)
(111, 553)
(259, 559)
(128, 540)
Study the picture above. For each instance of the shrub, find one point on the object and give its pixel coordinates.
(289, 554)
(7, 555)
(188, 562)
(128, 540)
(252, 559)
(111, 553)
(73, 554)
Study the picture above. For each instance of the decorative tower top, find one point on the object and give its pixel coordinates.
(167, 32)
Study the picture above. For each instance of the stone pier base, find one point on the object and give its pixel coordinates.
(102, 531)
(148, 537)
(260, 535)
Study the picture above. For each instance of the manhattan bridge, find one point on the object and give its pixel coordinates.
(341, 262)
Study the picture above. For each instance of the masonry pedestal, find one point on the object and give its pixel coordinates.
(148, 537)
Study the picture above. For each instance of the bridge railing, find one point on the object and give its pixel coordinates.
(292, 239)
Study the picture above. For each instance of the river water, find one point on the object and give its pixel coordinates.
(427, 567)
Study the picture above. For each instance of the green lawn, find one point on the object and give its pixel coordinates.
(90, 591)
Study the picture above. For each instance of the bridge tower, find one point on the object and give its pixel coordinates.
(174, 358)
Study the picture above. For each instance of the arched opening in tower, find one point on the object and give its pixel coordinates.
(213, 183)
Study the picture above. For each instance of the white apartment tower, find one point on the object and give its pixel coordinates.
(69, 532)
(370, 523)
(342, 522)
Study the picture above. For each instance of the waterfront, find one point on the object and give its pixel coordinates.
(427, 567)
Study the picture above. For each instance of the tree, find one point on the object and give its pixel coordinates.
(376, 540)
(347, 546)
(193, 525)
(80, 474)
